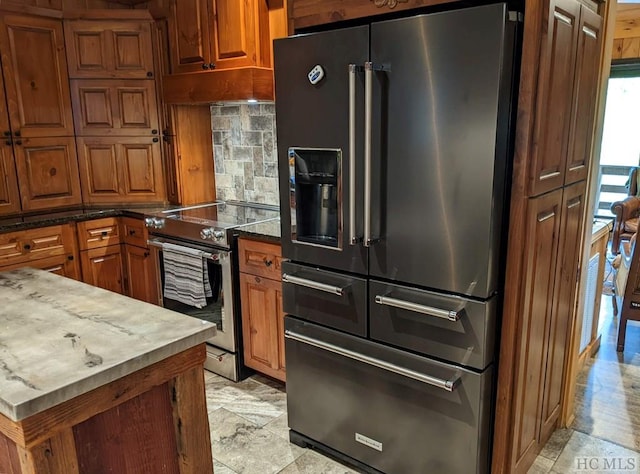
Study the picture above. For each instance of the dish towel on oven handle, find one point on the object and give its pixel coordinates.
(186, 278)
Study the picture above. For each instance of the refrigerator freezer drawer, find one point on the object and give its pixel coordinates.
(368, 401)
(327, 298)
(444, 326)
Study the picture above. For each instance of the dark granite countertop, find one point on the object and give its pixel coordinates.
(269, 230)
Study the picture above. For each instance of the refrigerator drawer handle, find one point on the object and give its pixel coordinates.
(316, 285)
(448, 385)
(418, 308)
(353, 238)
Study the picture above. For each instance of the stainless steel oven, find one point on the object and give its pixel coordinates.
(219, 309)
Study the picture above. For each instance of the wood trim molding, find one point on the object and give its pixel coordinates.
(108, 14)
(503, 424)
(224, 84)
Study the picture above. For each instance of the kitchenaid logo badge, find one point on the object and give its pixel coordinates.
(372, 443)
(390, 3)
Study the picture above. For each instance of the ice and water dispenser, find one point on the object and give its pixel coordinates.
(314, 176)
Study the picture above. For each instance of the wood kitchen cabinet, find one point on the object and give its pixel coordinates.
(102, 267)
(261, 303)
(109, 49)
(39, 161)
(566, 103)
(120, 169)
(140, 269)
(218, 34)
(51, 248)
(108, 107)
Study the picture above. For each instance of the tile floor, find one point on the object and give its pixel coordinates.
(249, 433)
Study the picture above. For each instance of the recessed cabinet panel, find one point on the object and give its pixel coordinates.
(99, 169)
(141, 274)
(115, 107)
(102, 267)
(48, 173)
(132, 51)
(9, 194)
(138, 163)
(232, 43)
(35, 73)
(586, 81)
(90, 56)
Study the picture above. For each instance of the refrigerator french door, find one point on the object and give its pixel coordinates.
(394, 149)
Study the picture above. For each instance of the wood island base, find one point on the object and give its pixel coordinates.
(151, 421)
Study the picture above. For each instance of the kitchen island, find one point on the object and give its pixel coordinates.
(92, 381)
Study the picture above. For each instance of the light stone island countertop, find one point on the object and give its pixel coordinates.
(60, 338)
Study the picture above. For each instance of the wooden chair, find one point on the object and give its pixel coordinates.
(630, 307)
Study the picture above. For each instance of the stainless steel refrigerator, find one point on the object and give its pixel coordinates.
(394, 147)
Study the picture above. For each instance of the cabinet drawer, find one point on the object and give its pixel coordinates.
(135, 232)
(98, 233)
(260, 258)
(28, 245)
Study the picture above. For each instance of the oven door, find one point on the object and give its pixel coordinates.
(219, 308)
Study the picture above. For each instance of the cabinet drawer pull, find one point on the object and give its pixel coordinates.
(315, 285)
(546, 216)
(267, 263)
(27, 247)
(418, 308)
(445, 384)
(132, 232)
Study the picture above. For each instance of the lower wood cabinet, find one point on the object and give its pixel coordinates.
(102, 267)
(261, 303)
(140, 274)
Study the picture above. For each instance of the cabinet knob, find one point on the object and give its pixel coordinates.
(70, 258)
(8, 143)
(17, 133)
(205, 66)
(268, 263)
(27, 246)
(149, 74)
(132, 232)
(7, 133)
(103, 234)
(212, 65)
(155, 140)
(18, 142)
(146, 254)
(154, 132)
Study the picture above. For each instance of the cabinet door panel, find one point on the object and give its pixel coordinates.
(141, 170)
(102, 267)
(237, 28)
(260, 323)
(189, 35)
(9, 193)
(553, 112)
(36, 80)
(584, 97)
(540, 251)
(119, 108)
(98, 165)
(101, 49)
(48, 172)
(573, 202)
(141, 274)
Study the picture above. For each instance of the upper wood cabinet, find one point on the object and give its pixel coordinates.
(115, 107)
(566, 100)
(218, 34)
(109, 49)
(35, 75)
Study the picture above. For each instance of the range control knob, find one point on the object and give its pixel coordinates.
(211, 234)
(154, 222)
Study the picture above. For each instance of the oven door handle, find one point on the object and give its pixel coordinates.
(445, 384)
(315, 285)
(206, 255)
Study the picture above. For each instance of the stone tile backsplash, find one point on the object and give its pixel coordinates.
(246, 159)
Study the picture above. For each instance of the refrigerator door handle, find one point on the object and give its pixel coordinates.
(315, 285)
(453, 316)
(445, 384)
(353, 238)
(368, 99)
